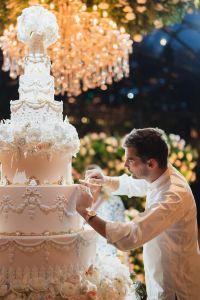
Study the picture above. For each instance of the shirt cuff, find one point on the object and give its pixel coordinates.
(122, 189)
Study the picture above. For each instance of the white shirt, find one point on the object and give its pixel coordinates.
(168, 230)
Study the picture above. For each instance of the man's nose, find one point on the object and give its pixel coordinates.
(126, 163)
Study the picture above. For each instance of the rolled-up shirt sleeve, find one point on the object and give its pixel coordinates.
(131, 187)
(146, 225)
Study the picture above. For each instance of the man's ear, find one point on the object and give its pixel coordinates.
(152, 163)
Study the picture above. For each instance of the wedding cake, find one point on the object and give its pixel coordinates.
(45, 251)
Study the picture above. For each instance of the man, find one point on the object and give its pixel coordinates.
(167, 228)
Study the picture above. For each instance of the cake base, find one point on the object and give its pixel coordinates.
(105, 279)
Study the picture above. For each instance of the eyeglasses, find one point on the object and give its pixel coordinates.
(130, 161)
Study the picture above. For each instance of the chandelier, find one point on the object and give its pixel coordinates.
(91, 51)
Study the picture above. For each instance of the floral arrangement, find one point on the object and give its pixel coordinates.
(30, 137)
(135, 256)
(107, 152)
(138, 17)
(183, 157)
(103, 150)
(36, 19)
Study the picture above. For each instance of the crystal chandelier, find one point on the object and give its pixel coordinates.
(91, 51)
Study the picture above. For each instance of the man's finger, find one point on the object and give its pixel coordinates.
(92, 174)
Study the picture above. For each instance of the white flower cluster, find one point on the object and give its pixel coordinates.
(108, 279)
(36, 19)
(112, 279)
(32, 138)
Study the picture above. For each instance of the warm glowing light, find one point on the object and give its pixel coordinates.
(52, 6)
(90, 52)
(104, 87)
(138, 38)
(84, 120)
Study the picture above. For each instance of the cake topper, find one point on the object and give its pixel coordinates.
(37, 28)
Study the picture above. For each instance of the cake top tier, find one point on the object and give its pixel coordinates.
(37, 28)
(36, 123)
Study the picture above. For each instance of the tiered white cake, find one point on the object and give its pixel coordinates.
(44, 251)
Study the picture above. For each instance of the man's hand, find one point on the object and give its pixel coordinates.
(95, 176)
(84, 200)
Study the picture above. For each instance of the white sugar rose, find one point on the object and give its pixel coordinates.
(33, 135)
(39, 21)
(93, 275)
(6, 135)
(39, 284)
(74, 279)
(14, 296)
(18, 285)
(107, 291)
(20, 132)
(47, 136)
(3, 290)
(20, 142)
(68, 289)
(120, 286)
(3, 131)
(89, 289)
(59, 133)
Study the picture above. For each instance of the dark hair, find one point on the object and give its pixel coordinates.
(149, 143)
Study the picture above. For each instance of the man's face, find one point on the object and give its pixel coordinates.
(138, 168)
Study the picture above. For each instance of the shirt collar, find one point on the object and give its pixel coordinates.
(162, 179)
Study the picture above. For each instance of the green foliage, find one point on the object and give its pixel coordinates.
(183, 157)
(107, 152)
(103, 150)
(142, 16)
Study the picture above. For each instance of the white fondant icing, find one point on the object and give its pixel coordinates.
(39, 258)
(19, 169)
(38, 210)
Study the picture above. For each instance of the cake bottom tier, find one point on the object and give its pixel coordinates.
(60, 267)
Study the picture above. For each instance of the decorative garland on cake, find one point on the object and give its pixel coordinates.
(66, 242)
(32, 203)
(17, 104)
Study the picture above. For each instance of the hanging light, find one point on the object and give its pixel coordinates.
(91, 51)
